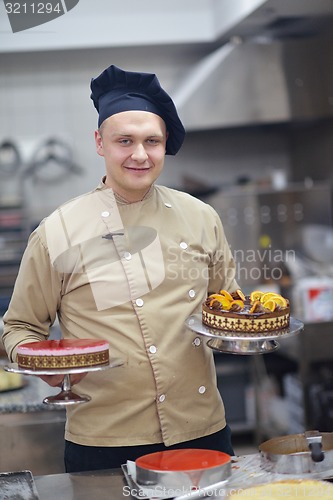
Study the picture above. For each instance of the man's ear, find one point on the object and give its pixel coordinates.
(99, 143)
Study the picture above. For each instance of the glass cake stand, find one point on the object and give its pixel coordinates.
(66, 396)
(242, 343)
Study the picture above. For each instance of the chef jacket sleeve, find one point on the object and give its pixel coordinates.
(35, 299)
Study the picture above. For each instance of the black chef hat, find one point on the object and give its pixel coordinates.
(116, 90)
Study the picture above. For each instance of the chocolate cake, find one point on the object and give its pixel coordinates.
(257, 313)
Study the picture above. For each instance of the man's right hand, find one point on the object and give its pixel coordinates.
(56, 380)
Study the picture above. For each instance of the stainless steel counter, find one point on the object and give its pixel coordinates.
(99, 485)
(33, 441)
(31, 431)
(29, 398)
(111, 484)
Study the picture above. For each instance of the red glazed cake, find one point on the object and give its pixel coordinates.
(257, 313)
(182, 460)
(62, 354)
(183, 470)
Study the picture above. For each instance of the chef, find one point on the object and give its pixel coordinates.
(128, 262)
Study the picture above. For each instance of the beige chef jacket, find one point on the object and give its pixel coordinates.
(130, 274)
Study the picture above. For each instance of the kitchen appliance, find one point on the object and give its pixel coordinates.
(265, 227)
(261, 45)
(312, 299)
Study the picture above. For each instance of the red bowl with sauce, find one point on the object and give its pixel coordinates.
(187, 469)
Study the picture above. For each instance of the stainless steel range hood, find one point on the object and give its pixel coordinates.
(272, 18)
(273, 65)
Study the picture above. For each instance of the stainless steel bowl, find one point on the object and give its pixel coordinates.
(310, 452)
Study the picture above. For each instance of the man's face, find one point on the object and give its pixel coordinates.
(133, 145)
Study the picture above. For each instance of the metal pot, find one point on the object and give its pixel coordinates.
(310, 452)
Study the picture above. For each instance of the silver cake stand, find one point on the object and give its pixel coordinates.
(242, 343)
(66, 396)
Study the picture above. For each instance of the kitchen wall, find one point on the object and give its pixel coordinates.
(46, 94)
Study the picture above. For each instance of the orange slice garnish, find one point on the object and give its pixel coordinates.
(240, 303)
(280, 301)
(256, 295)
(255, 306)
(211, 303)
(226, 294)
(241, 295)
(268, 295)
(216, 296)
(226, 303)
(270, 304)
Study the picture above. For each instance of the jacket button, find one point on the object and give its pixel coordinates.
(161, 398)
(139, 302)
(153, 349)
(105, 214)
(202, 389)
(192, 294)
(183, 245)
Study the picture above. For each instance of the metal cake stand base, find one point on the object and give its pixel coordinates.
(66, 396)
(242, 343)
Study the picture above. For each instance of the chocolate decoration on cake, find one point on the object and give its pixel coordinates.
(258, 312)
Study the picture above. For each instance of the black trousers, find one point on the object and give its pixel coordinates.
(80, 458)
